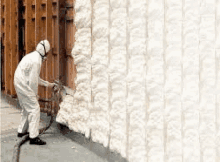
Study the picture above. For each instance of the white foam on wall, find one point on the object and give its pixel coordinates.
(217, 53)
(155, 77)
(148, 78)
(117, 75)
(173, 83)
(190, 82)
(137, 49)
(76, 114)
(99, 117)
(207, 127)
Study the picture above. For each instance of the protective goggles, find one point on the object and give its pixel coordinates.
(45, 55)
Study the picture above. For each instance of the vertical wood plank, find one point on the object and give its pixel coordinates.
(62, 38)
(2, 5)
(49, 65)
(41, 35)
(71, 72)
(7, 62)
(38, 15)
(14, 41)
(43, 67)
(70, 39)
(37, 21)
(56, 40)
(28, 25)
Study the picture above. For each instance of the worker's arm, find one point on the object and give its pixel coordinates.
(45, 83)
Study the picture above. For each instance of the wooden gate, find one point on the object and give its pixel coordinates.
(24, 23)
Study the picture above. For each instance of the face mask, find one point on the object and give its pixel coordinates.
(44, 58)
(44, 48)
(45, 54)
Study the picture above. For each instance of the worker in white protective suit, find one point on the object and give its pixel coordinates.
(26, 80)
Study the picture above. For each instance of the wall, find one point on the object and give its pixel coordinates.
(148, 78)
(24, 23)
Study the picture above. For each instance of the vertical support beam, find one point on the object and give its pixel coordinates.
(28, 25)
(38, 15)
(62, 38)
(37, 21)
(7, 62)
(21, 29)
(56, 40)
(70, 40)
(42, 29)
(1, 37)
(2, 9)
(49, 63)
(71, 68)
(14, 42)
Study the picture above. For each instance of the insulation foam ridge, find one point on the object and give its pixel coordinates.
(81, 54)
(100, 29)
(80, 4)
(99, 118)
(81, 21)
(117, 76)
(118, 3)
(190, 94)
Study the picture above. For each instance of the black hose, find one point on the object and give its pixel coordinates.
(17, 147)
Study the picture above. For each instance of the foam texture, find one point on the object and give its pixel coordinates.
(148, 78)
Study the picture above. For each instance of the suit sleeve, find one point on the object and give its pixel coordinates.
(43, 82)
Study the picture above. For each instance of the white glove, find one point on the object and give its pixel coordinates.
(51, 85)
(54, 86)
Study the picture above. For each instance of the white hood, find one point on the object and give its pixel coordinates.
(40, 47)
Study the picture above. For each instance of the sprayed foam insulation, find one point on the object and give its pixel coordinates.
(148, 78)
(117, 76)
(99, 116)
(217, 52)
(75, 110)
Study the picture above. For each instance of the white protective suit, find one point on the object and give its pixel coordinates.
(26, 80)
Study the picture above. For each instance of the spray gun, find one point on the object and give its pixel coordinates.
(54, 101)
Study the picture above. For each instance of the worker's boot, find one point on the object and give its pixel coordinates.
(22, 134)
(37, 141)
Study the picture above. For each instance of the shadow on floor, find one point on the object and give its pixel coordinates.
(97, 148)
(79, 138)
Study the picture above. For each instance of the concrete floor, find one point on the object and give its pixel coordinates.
(62, 144)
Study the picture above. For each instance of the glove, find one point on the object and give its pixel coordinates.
(51, 85)
(54, 86)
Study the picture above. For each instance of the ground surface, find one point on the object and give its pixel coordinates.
(62, 144)
(58, 148)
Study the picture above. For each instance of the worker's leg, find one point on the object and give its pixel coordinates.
(30, 114)
(34, 120)
(32, 108)
(23, 127)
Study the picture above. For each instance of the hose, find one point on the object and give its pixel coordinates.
(16, 152)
